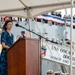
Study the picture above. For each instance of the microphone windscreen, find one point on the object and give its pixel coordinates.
(16, 25)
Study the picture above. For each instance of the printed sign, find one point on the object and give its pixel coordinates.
(59, 54)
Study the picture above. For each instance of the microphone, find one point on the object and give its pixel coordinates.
(17, 25)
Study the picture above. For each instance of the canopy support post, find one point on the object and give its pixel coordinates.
(71, 28)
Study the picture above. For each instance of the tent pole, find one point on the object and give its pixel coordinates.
(28, 16)
(65, 18)
(71, 28)
(64, 29)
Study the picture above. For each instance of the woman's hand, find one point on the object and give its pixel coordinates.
(5, 46)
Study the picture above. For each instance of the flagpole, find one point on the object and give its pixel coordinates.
(71, 28)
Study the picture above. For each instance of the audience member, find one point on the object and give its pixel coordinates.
(60, 42)
(50, 72)
(69, 17)
(56, 14)
(68, 42)
(57, 41)
(60, 14)
(52, 41)
(52, 13)
(64, 16)
(74, 17)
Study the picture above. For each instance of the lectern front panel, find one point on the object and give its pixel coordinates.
(24, 57)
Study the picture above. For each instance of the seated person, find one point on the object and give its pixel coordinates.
(52, 41)
(68, 42)
(47, 39)
(74, 17)
(64, 17)
(57, 41)
(66, 39)
(69, 17)
(52, 13)
(60, 14)
(60, 42)
(57, 14)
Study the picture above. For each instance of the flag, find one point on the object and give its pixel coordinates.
(43, 50)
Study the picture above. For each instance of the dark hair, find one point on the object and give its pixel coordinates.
(5, 24)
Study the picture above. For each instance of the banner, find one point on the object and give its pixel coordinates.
(56, 19)
(59, 54)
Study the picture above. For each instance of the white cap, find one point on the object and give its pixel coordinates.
(50, 71)
(58, 72)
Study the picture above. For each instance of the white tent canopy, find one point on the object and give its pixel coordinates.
(31, 8)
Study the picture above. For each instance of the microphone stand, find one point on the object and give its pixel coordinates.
(34, 33)
(40, 37)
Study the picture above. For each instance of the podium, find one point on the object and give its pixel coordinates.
(24, 57)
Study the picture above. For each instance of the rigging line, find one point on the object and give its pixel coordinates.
(40, 32)
(22, 3)
(46, 43)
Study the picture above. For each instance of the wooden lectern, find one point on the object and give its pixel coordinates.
(24, 57)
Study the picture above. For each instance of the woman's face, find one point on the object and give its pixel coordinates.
(9, 26)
